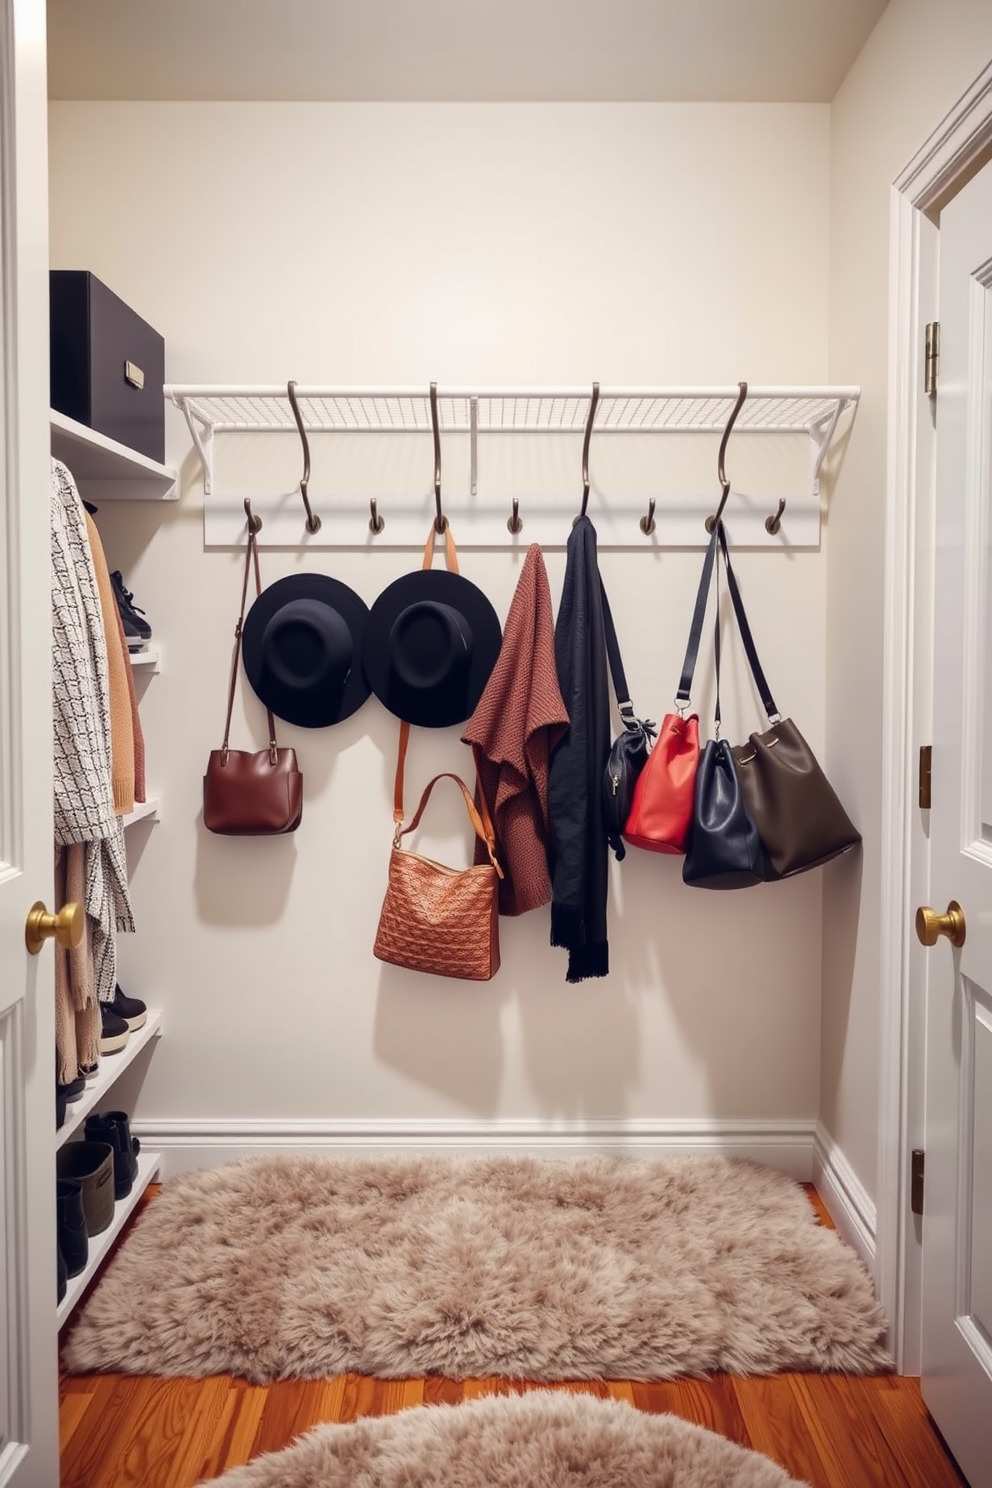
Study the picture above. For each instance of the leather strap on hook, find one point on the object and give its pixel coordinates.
(440, 520)
(585, 448)
(313, 523)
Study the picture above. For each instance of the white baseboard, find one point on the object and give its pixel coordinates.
(186, 1144)
(845, 1196)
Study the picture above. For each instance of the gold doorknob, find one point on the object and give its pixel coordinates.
(930, 925)
(66, 926)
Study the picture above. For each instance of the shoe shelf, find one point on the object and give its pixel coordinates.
(105, 470)
(143, 811)
(99, 1245)
(112, 1066)
(150, 657)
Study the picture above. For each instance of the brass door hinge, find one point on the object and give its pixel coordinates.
(916, 1185)
(926, 755)
(931, 357)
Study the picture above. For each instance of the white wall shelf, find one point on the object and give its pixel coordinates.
(143, 811)
(149, 658)
(105, 470)
(486, 413)
(99, 1245)
(112, 1066)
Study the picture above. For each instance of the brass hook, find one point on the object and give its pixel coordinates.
(773, 524)
(440, 520)
(513, 522)
(711, 521)
(585, 450)
(254, 523)
(647, 524)
(376, 523)
(313, 523)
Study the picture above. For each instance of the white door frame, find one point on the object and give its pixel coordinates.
(955, 149)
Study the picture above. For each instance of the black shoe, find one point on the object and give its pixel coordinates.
(131, 1009)
(137, 631)
(113, 1127)
(114, 1031)
(63, 1273)
(73, 1091)
(60, 1105)
(72, 1237)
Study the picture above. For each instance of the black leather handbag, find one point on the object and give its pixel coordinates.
(629, 751)
(724, 849)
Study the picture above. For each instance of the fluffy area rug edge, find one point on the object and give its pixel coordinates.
(540, 1269)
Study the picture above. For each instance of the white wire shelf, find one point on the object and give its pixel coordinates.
(481, 411)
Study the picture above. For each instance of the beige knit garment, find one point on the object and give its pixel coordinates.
(77, 1013)
(121, 727)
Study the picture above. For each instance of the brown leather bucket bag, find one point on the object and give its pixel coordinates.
(796, 810)
(251, 793)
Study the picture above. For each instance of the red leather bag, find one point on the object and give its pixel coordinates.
(661, 811)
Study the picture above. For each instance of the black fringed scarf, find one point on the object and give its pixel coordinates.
(578, 848)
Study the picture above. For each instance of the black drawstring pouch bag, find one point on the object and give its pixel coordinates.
(629, 751)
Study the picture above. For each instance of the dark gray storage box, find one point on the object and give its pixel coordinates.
(107, 364)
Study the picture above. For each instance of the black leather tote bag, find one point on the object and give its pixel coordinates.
(724, 849)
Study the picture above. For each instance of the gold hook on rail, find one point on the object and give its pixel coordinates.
(313, 523)
(376, 523)
(254, 523)
(514, 522)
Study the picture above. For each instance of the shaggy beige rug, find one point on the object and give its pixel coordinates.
(615, 1268)
(540, 1440)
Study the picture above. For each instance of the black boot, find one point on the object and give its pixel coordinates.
(113, 1127)
(72, 1238)
(131, 1145)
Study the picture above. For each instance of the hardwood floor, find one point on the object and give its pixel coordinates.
(833, 1431)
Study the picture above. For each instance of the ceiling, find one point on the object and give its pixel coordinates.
(752, 51)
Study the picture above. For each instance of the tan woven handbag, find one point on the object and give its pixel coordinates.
(439, 919)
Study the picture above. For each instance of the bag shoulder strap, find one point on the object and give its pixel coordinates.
(485, 828)
(251, 554)
(757, 672)
(479, 818)
(620, 687)
(684, 692)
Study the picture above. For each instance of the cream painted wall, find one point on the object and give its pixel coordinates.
(916, 64)
(395, 244)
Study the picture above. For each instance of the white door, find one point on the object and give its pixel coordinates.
(957, 1221)
(28, 1373)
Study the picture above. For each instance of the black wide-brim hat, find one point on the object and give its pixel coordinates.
(302, 649)
(431, 642)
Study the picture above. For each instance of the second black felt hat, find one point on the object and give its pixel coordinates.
(431, 641)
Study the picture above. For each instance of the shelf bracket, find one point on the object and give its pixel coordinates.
(202, 436)
(821, 435)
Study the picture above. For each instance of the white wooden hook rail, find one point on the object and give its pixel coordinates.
(478, 501)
